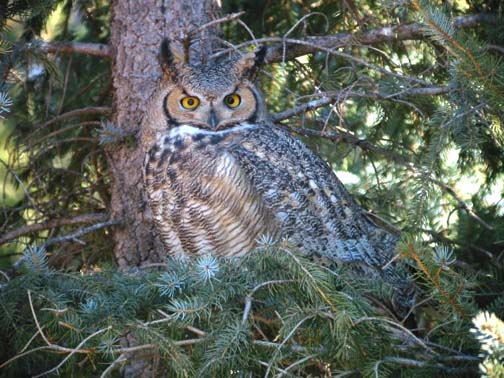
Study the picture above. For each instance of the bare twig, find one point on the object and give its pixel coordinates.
(153, 346)
(92, 110)
(461, 203)
(36, 320)
(195, 330)
(292, 347)
(31, 339)
(249, 297)
(352, 139)
(22, 185)
(421, 364)
(134, 348)
(119, 360)
(188, 342)
(65, 85)
(53, 223)
(96, 49)
(80, 232)
(56, 348)
(496, 48)
(284, 341)
(398, 326)
(311, 105)
(229, 17)
(73, 352)
(298, 362)
(4, 275)
(265, 364)
(63, 130)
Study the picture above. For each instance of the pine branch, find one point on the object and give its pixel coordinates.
(411, 253)
(53, 223)
(456, 48)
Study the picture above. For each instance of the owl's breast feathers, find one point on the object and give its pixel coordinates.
(218, 192)
(202, 199)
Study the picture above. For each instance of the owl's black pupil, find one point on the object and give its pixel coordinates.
(190, 101)
(230, 100)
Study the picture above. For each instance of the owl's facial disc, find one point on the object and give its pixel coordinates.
(210, 110)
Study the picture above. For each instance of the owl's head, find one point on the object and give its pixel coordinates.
(215, 95)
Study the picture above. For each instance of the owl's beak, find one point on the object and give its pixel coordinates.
(213, 121)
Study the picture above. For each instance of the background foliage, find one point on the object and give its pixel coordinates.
(413, 127)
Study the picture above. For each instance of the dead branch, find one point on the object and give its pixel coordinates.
(53, 223)
(328, 97)
(274, 54)
(386, 34)
(420, 364)
(96, 49)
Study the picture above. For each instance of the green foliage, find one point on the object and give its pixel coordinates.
(272, 312)
(489, 330)
(58, 166)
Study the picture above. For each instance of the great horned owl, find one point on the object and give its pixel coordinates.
(219, 174)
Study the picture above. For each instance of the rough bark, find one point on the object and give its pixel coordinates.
(137, 29)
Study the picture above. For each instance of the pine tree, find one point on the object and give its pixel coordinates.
(404, 100)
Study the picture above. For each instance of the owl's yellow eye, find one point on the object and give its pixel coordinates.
(232, 100)
(189, 102)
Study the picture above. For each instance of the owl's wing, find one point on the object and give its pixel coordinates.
(201, 197)
(316, 212)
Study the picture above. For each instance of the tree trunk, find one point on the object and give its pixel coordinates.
(137, 28)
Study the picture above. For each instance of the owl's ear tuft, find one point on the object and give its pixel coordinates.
(249, 64)
(171, 59)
